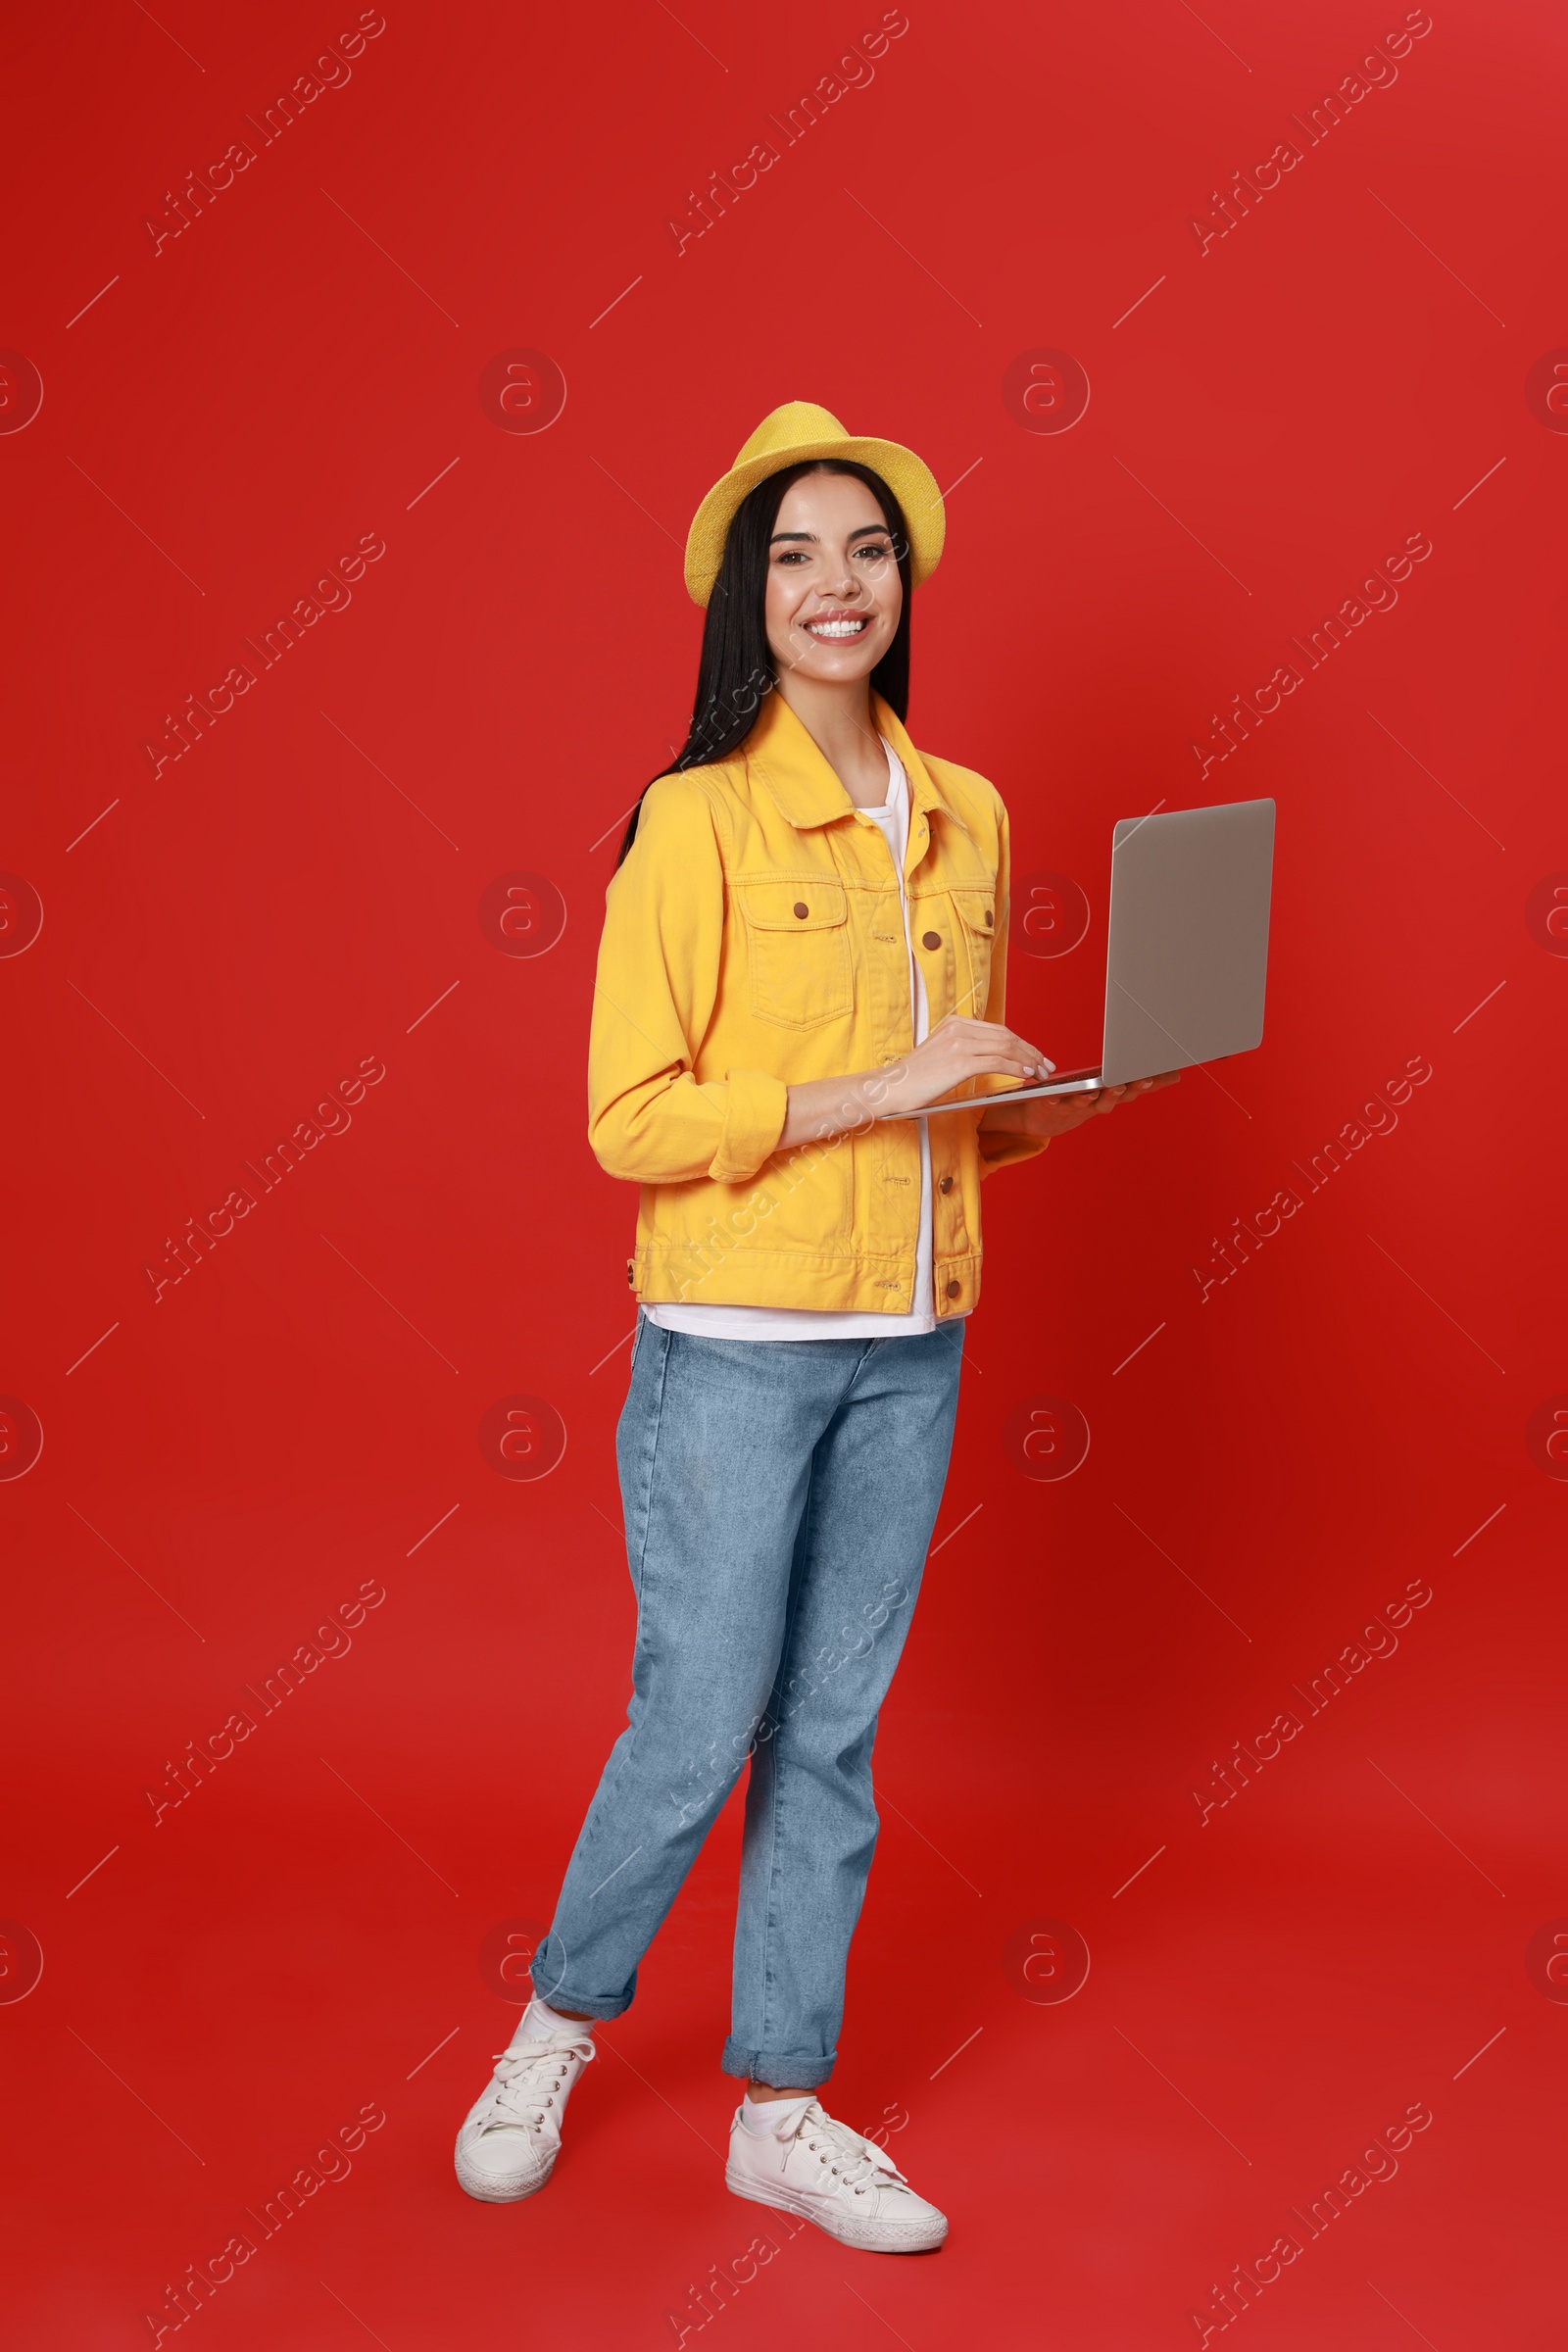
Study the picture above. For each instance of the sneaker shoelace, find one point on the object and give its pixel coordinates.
(860, 2161)
(527, 2078)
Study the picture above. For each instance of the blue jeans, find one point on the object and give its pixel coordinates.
(779, 1497)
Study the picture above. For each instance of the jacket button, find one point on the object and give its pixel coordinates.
(930, 939)
(801, 909)
(945, 1184)
(955, 1289)
(989, 919)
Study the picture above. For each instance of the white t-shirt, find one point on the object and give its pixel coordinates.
(892, 821)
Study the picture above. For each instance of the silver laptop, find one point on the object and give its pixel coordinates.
(1186, 947)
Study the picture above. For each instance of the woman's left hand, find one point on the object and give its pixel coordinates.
(1059, 1114)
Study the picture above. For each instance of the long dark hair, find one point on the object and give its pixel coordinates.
(736, 667)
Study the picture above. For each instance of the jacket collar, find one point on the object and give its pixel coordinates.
(781, 754)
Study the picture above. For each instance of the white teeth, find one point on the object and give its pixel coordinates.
(836, 628)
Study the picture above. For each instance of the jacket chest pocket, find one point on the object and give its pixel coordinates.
(955, 929)
(798, 946)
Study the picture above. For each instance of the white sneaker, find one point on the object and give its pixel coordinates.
(829, 2175)
(510, 2138)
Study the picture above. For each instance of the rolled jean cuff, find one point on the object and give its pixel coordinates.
(551, 1984)
(805, 2071)
(756, 1105)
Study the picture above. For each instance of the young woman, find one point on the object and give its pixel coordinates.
(805, 938)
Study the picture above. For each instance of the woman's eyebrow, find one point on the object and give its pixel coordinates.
(858, 532)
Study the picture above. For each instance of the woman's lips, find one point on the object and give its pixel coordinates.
(839, 628)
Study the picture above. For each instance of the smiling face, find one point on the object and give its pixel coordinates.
(834, 595)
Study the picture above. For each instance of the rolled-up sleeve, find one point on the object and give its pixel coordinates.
(998, 1148)
(649, 1119)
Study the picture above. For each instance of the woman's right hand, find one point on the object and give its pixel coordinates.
(955, 1050)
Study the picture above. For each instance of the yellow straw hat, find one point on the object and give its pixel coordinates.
(798, 431)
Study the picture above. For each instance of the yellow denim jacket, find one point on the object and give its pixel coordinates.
(753, 940)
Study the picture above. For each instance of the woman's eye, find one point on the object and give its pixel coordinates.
(882, 553)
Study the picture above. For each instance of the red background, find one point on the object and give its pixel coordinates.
(1339, 371)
